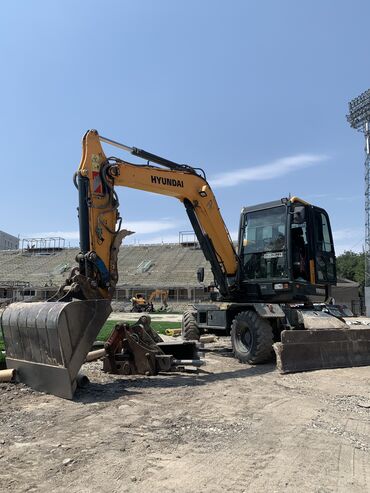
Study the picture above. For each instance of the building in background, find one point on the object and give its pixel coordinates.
(37, 272)
(8, 242)
(347, 292)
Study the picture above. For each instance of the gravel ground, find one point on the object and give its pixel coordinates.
(231, 428)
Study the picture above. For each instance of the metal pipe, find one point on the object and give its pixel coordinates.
(148, 156)
(115, 143)
(83, 213)
(189, 362)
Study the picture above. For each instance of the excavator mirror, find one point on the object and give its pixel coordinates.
(200, 274)
(299, 214)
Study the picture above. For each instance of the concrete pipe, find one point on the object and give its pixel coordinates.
(82, 380)
(7, 375)
(94, 355)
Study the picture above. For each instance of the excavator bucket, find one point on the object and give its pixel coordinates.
(326, 342)
(47, 342)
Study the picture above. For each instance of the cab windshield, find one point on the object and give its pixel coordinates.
(264, 244)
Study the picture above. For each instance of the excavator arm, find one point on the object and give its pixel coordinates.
(100, 221)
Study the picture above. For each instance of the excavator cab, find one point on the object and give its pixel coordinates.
(287, 252)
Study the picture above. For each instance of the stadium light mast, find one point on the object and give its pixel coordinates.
(359, 118)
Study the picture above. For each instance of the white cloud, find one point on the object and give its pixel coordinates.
(149, 227)
(340, 198)
(349, 198)
(317, 196)
(234, 235)
(348, 239)
(273, 169)
(166, 238)
(67, 235)
(139, 227)
(347, 234)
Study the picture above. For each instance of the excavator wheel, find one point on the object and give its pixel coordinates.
(189, 328)
(251, 338)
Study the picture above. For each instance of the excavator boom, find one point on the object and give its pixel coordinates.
(97, 178)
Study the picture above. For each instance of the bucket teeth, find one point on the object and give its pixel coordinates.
(47, 342)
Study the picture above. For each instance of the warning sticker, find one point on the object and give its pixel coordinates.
(96, 160)
(97, 183)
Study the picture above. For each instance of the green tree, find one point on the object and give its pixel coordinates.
(351, 265)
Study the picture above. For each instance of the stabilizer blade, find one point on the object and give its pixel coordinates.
(302, 350)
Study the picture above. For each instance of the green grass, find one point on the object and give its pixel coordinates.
(105, 332)
(159, 327)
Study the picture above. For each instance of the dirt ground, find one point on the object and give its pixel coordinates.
(231, 428)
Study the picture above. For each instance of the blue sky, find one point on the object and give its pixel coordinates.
(254, 92)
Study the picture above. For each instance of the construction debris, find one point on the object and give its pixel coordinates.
(94, 355)
(173, 332)
(208, 338)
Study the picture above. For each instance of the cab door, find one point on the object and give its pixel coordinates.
(323, 248)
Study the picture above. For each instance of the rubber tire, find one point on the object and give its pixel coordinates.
(189, 327)
(260, 331)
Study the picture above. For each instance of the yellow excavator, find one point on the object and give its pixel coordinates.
(284, 262)
(162, 295)
(141, 304)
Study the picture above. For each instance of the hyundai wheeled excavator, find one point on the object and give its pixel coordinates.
(284, 262)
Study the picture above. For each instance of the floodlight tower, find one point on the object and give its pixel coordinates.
(359, 118)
